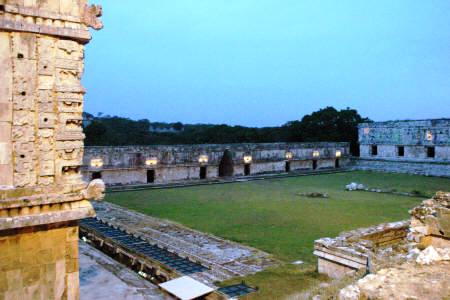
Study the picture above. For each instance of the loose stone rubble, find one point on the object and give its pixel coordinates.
(423, 274)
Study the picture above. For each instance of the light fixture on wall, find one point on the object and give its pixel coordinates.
(338, 153)
(203, 159)
(289, 155)
(366, 130)
(248, 159)
(96, 162)
(429, 135)
(151, 161)
(316, 154)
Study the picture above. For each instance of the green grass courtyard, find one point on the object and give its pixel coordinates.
(271, 215)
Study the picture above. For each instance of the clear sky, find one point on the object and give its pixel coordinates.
(265, 62)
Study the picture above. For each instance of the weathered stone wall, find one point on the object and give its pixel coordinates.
(41, 145)
(126, 165)
(418, 147)
(361, 249)
(39, 262)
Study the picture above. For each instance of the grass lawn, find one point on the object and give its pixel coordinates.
(271, 216)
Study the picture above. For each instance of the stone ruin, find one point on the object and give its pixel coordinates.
(42, 194)
(406, 260)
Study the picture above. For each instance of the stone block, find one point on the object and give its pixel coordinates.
(24, 45)
(6, 112)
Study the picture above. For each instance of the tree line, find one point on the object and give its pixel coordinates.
(327, 124)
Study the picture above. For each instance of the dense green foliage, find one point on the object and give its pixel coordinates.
(327, 124)
(270, 215)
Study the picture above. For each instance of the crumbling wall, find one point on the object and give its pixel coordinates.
(366, 249)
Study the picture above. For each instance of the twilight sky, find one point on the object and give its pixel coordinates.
(266, 62)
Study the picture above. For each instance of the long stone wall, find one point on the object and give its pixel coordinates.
(417, 147)
(130, 164)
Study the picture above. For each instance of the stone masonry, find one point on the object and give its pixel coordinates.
(42, 194)
(129, 164)
(417, 147)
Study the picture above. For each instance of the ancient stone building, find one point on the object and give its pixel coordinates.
(418, 147)
(160, 164)
(42, 194)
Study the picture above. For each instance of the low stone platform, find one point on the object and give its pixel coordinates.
(225, 259)
(102, 278)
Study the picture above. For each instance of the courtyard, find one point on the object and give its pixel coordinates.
(275, 216)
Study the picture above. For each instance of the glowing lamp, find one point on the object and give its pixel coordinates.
(203, 159)
(429, 136)
(289, 155)
(316, 154)
(96, 162)
(248, 159)
(152, 161)
(338, 153)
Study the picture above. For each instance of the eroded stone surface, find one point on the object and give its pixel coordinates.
(102, 278)
(225, 258)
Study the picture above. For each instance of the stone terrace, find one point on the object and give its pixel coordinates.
(225, 259)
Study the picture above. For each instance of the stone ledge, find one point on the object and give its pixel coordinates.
(75, 211)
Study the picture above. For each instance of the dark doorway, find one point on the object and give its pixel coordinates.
(96, 175)
(287, 167)
(401, 150)
(431, 152)
(247, 169)
(374, 150)
(226, 166)
(314, 164)
(150, 176)
(337, 163)
(203, 172)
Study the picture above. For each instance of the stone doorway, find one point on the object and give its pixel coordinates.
(226, 166)
(150, 176)
(314, 166)
(247, 169)
(337, 163)
(287, 166)
(96, 175)
(203, 172)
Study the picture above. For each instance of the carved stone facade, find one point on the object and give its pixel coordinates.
(132, 164)
(418, 147)
(41, 146)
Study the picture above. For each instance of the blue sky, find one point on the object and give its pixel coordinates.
(265, 62)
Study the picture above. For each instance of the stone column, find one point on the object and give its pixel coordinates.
(41, 145)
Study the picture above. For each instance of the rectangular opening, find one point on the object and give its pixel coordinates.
(314, 164)
(247, 169)
(150, 176)
(203, 172)
(287, 167)
(374, 150)
(337, 163)
(401, 151)
(96, 175)
(431, 152)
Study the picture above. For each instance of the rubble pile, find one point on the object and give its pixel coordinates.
(425, 273)
(430, 222)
